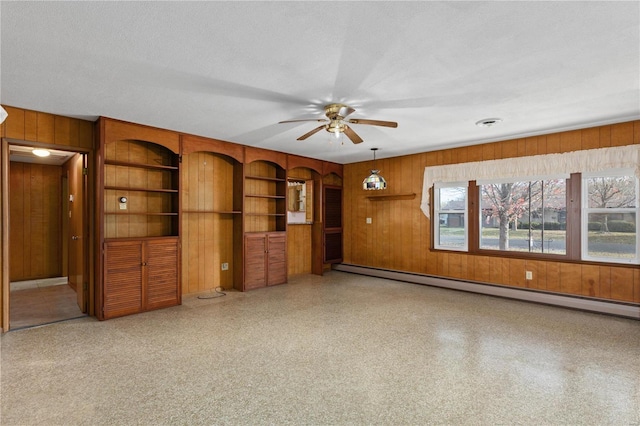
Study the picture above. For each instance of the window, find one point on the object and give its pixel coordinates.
(524, 216)
(451, 214)
(575, 206)
(610, 217)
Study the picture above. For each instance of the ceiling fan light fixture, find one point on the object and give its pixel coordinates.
(38, 152)
(374, 182)
(337, 123)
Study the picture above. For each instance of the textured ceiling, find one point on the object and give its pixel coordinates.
(233, 70)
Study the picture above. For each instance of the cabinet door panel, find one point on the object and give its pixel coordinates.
(162, 274)
(255, 261)
(122, 292)
(276, 262)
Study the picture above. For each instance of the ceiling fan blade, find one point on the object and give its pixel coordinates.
(319, 120)
(345, 110)
(313, 132)
(352, 135)
(373, 122)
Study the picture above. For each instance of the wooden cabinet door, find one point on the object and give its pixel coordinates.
(255, 265)
(122, 288)
(162, 272)
(332, 221)
(276, 259)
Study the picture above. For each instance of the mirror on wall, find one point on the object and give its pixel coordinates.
(299, 201)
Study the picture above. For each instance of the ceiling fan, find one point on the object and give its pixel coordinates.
(337, 123)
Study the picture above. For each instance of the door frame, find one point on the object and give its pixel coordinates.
(87, 222)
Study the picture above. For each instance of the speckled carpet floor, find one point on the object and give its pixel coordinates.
(341, 349)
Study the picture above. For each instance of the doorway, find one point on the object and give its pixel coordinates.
(46, 241)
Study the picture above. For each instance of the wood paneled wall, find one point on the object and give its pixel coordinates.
(299, 248)
(44, 129)
(207, 235)
(399, 236)
(35, 214)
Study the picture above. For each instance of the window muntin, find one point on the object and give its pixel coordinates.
(524, 216)
(451, 230)
(610, 217)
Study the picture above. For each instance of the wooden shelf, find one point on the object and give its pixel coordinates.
(140, 214)
(213, 211)
(266, 214)
(389, 197)
(126, 188)
(271, 179)
(274, 197)
(140, 165)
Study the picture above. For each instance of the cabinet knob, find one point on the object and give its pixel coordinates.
(75, 237)
(144, 263)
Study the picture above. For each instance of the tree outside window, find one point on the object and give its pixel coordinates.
(610, 218)
(524, 216)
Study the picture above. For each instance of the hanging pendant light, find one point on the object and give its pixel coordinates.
(374, 181)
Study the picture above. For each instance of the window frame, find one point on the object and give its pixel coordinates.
(516, 253)
(586, 210)
(437, 212)
(576, 238)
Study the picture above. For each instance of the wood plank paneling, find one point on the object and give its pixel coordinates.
(35, 221)
(622, 284)
(622, 134)
(207, 221)
(116, 130)
(400, 231)
(590, 280)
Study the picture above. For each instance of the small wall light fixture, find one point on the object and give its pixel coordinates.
(374, 181)
(41, 152)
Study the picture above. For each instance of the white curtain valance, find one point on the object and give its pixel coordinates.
(530, 168)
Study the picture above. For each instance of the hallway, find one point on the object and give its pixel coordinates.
(40, 302)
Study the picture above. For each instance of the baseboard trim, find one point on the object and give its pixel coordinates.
(612, 308)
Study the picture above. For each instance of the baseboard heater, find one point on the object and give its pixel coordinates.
(612, 308)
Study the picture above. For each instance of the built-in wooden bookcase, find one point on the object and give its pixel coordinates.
(212, 205)
(140, 190)
(265, 219)
(265, 197)
(138, 219)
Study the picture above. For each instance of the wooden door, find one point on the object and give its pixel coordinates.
(276, 259)
(161, 261)
(77, 237)
(255, 264)
(332, 220)
(122, 288)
